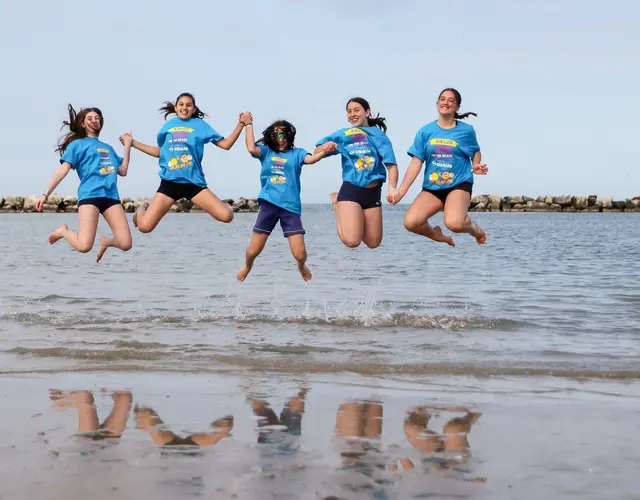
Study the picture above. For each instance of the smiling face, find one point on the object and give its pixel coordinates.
(185, 107)
(447, 104)
(357, 115)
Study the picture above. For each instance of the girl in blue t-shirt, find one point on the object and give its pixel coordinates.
(180, 149)
(279, 198)
(367, 154)
(451, 152)
(98, 167)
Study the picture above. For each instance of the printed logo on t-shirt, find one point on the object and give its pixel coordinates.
(277, 170)
(178, 144)
(106, 166)
(359, 146)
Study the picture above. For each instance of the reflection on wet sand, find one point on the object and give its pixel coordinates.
(88, 423)
(368, 465)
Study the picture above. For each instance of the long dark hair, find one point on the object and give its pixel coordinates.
(268, 135)
(170, 107)
(76, 130)
(458, 102)
(376, 121)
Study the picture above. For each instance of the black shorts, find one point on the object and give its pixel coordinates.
(365, 197)
(442, 194)
(102, 204)
(178, 190)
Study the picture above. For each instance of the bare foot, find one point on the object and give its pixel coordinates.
(70, 399)
(305, 272)
(57, 234)
(104, 244)
(440, 236)
(243, 273)
(141, 209)
(478, 233)
(334, 199)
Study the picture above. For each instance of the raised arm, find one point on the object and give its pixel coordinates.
(124, 166)
(140, 146)
(250, 140)
(60, 173)
(228, 142)
(409, 177)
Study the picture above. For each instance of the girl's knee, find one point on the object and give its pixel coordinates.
(351, 242)
(226, 217)
(85, 246)
(411, 224)
(455, 224)
(125, 246)
(373, 244)
(299, 254)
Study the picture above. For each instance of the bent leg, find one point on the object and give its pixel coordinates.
(256, 245)
(299, 252)
(147, 218)
(456, 216)
(83, 239)
(349, 222)
(116, 422)
(119, 225)
(372, 234)
(416, 219)
(213, 205)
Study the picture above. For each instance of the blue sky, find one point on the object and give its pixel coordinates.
(555, 83)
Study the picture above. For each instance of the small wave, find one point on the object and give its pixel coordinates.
(90, 354)
(381, 321)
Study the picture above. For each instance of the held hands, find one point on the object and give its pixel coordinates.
(328, 147)
(126, 139)
(394, 195)
(480, 168)
(245, 118)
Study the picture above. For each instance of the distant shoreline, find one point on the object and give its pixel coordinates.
(479, 203)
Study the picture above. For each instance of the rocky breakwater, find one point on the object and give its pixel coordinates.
(69, 204)
(565, 203)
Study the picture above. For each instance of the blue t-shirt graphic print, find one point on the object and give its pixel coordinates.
(96, 164)
(365, 152)
(280, 177)
(181, 145)
(447, 153)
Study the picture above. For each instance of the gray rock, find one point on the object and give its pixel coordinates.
(54, 199)
(1, 202)
(541, 199)
(477, 199)
(174, 208)
(593, 208)
(29, 204)
(70, 201)
(554, 207)
(129, 207)
(253, 205)
(606, 202)
(184, 205)
(514, 200)
(480, 207)
(618, 205)
(563, 201)
(580, 202)
(570, 208)
(71, 209)
(629, 205)
(518, 207)
(495, 202)
(536, 206)
(14, 202)
(548, 200)
(591, 200)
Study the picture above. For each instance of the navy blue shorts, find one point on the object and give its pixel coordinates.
(102, 204)
(270, 214)
(365, 197)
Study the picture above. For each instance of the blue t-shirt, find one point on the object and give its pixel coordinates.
(280, 177)
(182, 148)
(447, 152)
(365, 151)
(96, 164)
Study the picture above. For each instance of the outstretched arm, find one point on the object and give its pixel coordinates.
(124, 166)
(60, 173)
(228, 142)
(320, 152)
(140, 146)
(478, 167)
(409, 177)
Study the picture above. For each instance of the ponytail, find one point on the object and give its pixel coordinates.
(458, 97)
(376, 121)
